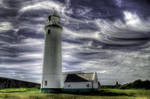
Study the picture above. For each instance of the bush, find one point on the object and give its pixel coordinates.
(138, 84)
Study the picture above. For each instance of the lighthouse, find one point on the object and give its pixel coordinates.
(52, 63)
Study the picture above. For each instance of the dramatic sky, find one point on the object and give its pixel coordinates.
(111, 37)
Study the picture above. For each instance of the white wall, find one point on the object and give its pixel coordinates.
(71, 85)
(77, 85)
(52, 63)
(95, 84)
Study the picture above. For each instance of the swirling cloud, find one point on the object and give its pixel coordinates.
(107, 36)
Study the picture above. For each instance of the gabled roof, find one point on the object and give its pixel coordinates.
(80, 77)
(87, 76)
(75, 78)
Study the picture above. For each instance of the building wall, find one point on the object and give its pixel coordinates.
(71, 85)
(95, 85)
(77, 85)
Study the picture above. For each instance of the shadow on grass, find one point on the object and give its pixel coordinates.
(102, 94)
(13, 91)
(96, 93)
(5, 96)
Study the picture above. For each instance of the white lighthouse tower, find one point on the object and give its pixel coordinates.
(52, 63)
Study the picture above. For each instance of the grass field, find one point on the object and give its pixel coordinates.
(33, 93)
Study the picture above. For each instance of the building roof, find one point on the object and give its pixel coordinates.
(80, 77)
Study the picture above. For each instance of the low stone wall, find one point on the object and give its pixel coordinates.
(12, 83)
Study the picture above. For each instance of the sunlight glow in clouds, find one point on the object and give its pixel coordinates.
(5, 26)
(44, 5)
(131, 19)
(135, 23)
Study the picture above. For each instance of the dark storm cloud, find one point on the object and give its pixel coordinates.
(38, 16)
(15, 4)
(110, 34)
(29, 33)
(141, 7)
(82, 26)
(33, 13)
(17, 48)
(7, 12)
(19, 73)
(8, 36)
(12, 60)
(93, 55)
(87, 9)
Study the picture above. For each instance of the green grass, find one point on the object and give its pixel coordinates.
(20, 90)
(33, 93)
(130, 92)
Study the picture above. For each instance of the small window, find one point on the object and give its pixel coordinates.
(88, 85)
(45, 83)
(69, 85)
(49, 31)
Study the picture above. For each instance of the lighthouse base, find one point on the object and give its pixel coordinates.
(51, 90)
(62, 90)
(80, 91)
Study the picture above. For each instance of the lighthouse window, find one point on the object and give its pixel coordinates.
(45, 83)
(49, 31)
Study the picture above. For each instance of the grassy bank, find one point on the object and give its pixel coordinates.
(33, 93)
